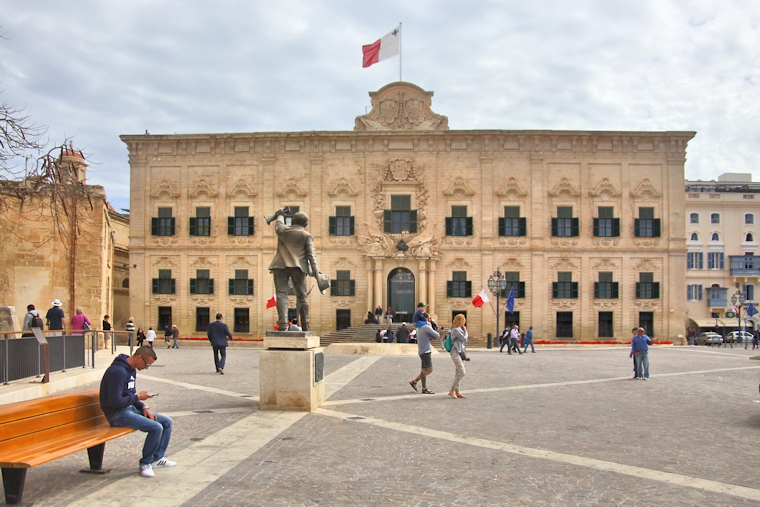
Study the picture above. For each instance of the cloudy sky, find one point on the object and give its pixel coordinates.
(93, 70)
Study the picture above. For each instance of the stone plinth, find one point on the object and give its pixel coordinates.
(291, 372)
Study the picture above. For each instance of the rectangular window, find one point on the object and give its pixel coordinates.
(749, 292)
(646, 287)
(605, 288)
(459, 224)
(749, 219)
(163, 225)
(606, 225)
(202, 284)
(290, 213)
(201, 319)
(714, 260)
(512, 224)
(647, 226)
(565, 226)
(343, 285)
(513, 282)
(164, 284)
(565, 288)
(240, 224)
(342, 319)
(242, 321)
(694, 260)
(459, 286)
(715, 218)
(605, 325)
(164, 317)
(241, 285)
(342, 224)
(646, 320)
(401, 218)
(200, 224)
(564, 324)
(694, 292)
(510, 319)
(694, 218)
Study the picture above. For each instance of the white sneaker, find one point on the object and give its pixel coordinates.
(163, 462)
(146, 470)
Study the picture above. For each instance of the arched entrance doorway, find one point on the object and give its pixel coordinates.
(401, 294)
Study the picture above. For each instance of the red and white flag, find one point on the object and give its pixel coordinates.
(481, 299)
(382, 49)
(272, 301)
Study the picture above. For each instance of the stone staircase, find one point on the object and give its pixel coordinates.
(364, 333)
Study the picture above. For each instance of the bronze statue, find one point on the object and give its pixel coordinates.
(295, 260)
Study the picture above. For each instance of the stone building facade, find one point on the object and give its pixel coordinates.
(588, 227)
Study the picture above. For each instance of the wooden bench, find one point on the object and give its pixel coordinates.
(37, 431)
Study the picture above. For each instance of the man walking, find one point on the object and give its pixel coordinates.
(640, 351)
(55, 318)
(124, 407)
(130, 327)
(528, 340)
(33, 319)
(514, 340)
(218, 332)
(424, 334)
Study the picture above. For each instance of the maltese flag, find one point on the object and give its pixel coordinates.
(481, 299)
(382, 49)
(272, 301)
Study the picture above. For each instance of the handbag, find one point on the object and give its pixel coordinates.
(463, 356)
(447, 342)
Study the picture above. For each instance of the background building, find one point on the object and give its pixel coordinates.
(588, 226)
(722, 248)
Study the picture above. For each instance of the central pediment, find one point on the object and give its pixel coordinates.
(401, 106)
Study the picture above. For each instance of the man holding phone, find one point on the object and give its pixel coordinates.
(124, 407)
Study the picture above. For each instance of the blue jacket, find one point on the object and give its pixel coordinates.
(117, 388)
(218, 332)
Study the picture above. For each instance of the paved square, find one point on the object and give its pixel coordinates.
(558, 427)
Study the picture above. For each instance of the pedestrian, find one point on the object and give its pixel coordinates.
(151, 336)
(419, 315)
(378, 314)
(55, 318)
(124, 407)
(402, 333)
(514, 340)
(218, 332)
(692, 334)
(389, 316)
(294, 325)
(106, 331)
(756, 339)
(413, 336)
(504, 339)
(168, 335)
(389, 334)
(140, 337)
(424, 334)
(458, 339)
(640, 350)
(528, 340)
(634, 334)
(175, 336)
(130, 328)
(33, 319)
(370, 318)
(80, 322)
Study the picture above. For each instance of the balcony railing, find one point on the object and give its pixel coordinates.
(745, 265)
(717, 303)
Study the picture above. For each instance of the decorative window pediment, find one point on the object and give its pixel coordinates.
(459, 189)
(645, 191)
(291, 190)
(512, 190)
(564, 265)
(343, 191)
(165, 262)
(243, 189)
(202, 188)
(564, 190)
(605, 190)
(165, 190)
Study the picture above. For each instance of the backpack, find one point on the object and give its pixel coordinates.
(36, 321)
(447, 342)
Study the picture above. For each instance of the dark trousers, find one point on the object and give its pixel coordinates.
(514, 345)
(220, 357)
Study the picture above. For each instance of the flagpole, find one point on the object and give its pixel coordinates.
(400, 36)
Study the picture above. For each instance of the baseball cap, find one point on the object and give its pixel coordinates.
(421, 304)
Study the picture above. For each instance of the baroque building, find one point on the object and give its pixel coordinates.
(587, 227)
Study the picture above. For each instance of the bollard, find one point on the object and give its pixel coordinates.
(489, 344)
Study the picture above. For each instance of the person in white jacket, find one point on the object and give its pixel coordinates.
(150, 336)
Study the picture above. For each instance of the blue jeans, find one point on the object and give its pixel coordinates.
(175, 343)
(642, 360)
(159, 432)
(527, 342)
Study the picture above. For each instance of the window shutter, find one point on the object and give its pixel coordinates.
(699, 295)
(596, 232)
(155, 285)
(231, 286)
(448, 226)
(249, 284)
(616, 227)
(575, 227)
(555, 289)
(656, 290)
(596, 284)
(154, 226)
(636, 231)
(554, 227)
(351, 225)
(192, 228)
(387, 221)
(250, 226)
(502, 226)
(193, 286)
(449, 288)
(352, 287)
(574, 290)
(615, 290)
(656, 228)
(172, 222)
(520, 290)
(468, 226)
(522, 224)
(468, 289)
(172, 286)
(230, 226)
(638, 290)
(332, 225)
(333, 287)
(413, 221)
(210, 285)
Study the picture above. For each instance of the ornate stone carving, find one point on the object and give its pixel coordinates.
(512, 264)
(459, 189)
(605, 305)
(340, 240)
(343, 262)
(564, 303)
(202, 300)
(645, 191)
(202, 189)
(647, 265)
(202, 262)
(646, 243)
(512, 242)
(164, 300)
(345, 302)
(424, 245)
(459, 302)
(202, 240)
(291, 190)
(458, 241)
(241, 300)
(460, 263)
(605, 265)
(564, 242)
(241, 262)
(647, 304)
(605, 242)
(164, 240)
(401, 106)
(242, 189)
(165, 192)
(564, 190)
(343, 191)
(375, 243)
(564, 264)
(604, 190)
(390, 175)
(166, 262)
(512, 190)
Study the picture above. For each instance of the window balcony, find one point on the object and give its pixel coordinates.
(717, 303)
(745, 265)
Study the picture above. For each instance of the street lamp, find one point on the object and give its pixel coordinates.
(738, 297)
(497, 284)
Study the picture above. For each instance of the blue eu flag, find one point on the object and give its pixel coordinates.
(752, 311)
(511, 301)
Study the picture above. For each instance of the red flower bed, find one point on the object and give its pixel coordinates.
(605, 342)
(198, 338)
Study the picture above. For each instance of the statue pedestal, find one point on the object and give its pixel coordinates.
(291, 371)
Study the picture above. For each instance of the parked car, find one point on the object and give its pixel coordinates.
(709, 339)
(739, 337)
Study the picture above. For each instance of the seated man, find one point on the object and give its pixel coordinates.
(124, 407)
(294, 325)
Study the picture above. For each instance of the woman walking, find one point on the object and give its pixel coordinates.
(458, 339)
(140, 336)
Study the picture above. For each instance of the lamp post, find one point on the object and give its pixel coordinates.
(497, 284)
(738, 297)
